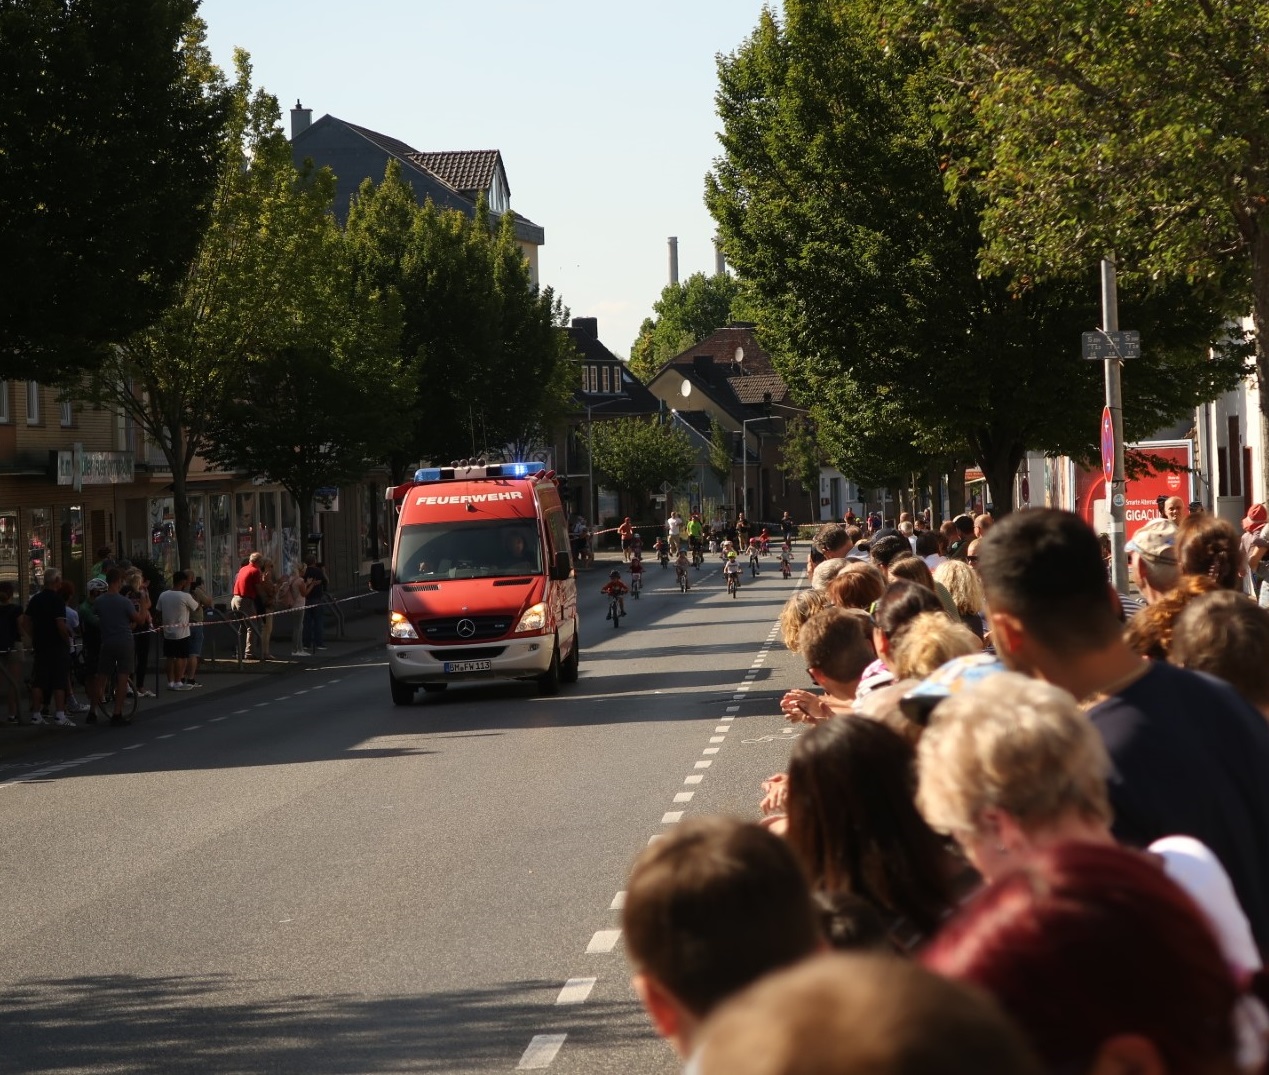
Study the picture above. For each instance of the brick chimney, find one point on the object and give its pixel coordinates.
(587, 326)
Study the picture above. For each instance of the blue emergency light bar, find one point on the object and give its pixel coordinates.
(492, 470)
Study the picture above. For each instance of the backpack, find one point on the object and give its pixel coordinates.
(285, 596)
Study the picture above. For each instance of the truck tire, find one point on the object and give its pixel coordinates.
(570, 668)
(402, 693)
(549, 681)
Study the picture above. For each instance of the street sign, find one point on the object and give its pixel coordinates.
(1108, 445)
(666, 487)
(1099, 345)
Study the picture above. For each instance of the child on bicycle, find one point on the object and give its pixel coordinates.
(636, 571)
(731, 568)
(618, 589)
(753, 556)
(764, 542)
(786, 559)
(680, 569)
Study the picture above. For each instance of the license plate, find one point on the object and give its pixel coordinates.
(468, 666)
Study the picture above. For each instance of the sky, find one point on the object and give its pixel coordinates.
(603, 112)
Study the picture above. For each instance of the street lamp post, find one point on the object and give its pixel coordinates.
(744, 462)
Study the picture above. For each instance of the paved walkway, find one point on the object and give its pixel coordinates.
(219, 672)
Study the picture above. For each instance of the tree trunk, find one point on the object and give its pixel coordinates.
(955, 487)
(1000, 469)
(1260, 322)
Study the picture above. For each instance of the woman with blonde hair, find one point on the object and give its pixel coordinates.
(797, 610)
(928, 643)
(961, 581)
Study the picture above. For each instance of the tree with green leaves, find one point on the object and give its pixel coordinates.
(111, 114)
(637, 455)
(1136, 130)
(685, 314)
(722, 456)
(865, 273)
(329, 396)
(248, 285)
(486, 340)
(800, 457)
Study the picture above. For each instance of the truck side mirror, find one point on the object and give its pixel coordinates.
(378, 577)
(562, 567)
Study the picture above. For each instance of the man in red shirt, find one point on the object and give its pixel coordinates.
(246, 599)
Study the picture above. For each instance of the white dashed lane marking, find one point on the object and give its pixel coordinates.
(684, 796)
(541, 1051)
(604, 940)
(576, 990)
(618, 901)
(671, 817)
(695, 778)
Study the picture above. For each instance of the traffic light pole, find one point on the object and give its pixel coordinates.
(1117, 487)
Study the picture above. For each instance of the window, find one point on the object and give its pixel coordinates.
(606, 381)
(32, 403)
(4, 402)
(585, 379)
(68, 413)
(594, 379)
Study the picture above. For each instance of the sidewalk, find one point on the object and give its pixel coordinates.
(221, 677)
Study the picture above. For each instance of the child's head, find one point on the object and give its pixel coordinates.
(715, 905)
(835, 645)
(614, 574)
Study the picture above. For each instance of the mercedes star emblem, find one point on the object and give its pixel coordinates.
(466, 628)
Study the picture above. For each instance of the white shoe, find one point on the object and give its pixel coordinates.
(62, 720)
(37, 719)
(179, 687)
(300, 653)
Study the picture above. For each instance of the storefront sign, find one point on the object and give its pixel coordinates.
(95, 468)
(1143, 492)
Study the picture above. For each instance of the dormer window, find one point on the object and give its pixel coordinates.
(607, 382)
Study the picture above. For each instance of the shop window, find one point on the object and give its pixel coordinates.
(39, 541)
(198, 538)
(163, 535)
(9, 548)
(268, 540)
(71, 527)
(244, 527)
(220, 566)
(290, 533)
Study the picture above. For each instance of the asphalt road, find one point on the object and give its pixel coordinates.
(306, 878)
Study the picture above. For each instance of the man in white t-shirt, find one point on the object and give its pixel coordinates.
(674, 528)
(174, 607)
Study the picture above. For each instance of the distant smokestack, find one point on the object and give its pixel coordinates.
(674, 259)
(301, 118)
(720, 259)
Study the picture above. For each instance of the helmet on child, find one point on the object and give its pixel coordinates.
(614, 574)
(731, 555)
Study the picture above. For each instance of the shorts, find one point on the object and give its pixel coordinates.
(625, 542)
(117, 658)
(195, 640)
(91, 654)
(176, 648)
(50, 670)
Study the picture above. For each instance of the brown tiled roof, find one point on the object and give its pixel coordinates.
(750, 390)
(468, 170)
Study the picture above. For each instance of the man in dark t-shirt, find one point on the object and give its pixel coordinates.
(45, 620)
(1190, 757)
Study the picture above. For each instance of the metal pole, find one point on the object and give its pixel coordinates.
(744, 472)
(1114, 400)
(590, 474)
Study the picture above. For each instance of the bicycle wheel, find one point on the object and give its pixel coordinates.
(107, 706)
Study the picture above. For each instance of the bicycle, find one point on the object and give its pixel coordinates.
(681, 578)
(733, 583)
(753, 562)
(697, 557)
(614, 611)
(636, 584)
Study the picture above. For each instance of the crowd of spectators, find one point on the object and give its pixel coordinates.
(1024, 829)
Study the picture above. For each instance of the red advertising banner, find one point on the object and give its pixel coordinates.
(1142, 493)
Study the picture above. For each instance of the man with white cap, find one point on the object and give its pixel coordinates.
(1152, 563)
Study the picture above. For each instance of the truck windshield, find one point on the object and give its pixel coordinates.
(475, 550)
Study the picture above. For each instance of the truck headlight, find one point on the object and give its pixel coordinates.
(400, 627)
(534, 618)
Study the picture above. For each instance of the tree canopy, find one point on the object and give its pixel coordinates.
(637, 455)
(486, 342)
(1138, 130)
(865, 272)
(685, 314)
(111, 116)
